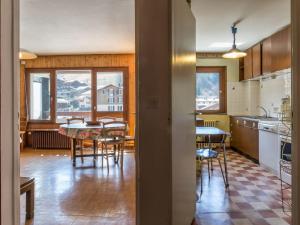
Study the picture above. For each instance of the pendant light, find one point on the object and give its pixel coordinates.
(234, 53)
(24, 54)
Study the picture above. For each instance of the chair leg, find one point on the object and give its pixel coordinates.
(201, 178)
(81, 151)
(102, 153)
(115, 151)
(211, 165)
(208, 168)
(222, 172)
(107, 157)
(122, 154)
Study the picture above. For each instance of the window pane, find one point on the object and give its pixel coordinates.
(208, 91)
(73, 94)
(110, 91)
(40, 96)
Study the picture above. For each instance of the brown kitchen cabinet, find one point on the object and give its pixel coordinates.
(270, 55)
(256, 60)
(248, 73)
(281, 49)
(244, 136)
(267, 56)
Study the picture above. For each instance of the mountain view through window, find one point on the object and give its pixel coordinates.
(73, 94)
(207, 91)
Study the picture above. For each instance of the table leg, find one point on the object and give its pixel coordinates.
(95, 149)
(225, 164)
(74, 151)
(30, 203)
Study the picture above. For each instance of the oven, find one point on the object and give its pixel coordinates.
(286, 155)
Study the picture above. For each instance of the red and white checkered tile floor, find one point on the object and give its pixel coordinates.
(253, 197)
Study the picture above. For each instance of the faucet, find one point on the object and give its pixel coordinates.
(266, 112)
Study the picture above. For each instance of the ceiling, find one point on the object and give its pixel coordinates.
(259, 19)
(107, 26)
(77, 26)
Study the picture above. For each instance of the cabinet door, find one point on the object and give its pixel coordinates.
(234, 129)
(256, 60)
(281, 50)
(267, 56)
(248, 73)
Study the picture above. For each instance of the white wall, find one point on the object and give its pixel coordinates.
(271, 92)
(235, 90)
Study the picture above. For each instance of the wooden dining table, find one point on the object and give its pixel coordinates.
(83, 131)
(202, 132)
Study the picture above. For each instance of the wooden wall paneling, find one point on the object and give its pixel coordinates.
(101, 60)
(256, 60)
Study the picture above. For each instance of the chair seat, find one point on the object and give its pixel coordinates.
(206, 153)
(112, 141)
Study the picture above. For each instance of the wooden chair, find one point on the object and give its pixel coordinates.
(81, 144)
(27, 186)
(115, 137)
(130, 140)
(209, 154)
(23, 129)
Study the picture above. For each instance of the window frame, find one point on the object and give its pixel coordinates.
(222, 70)
(52, 94)
(94, 113)
(125, 102)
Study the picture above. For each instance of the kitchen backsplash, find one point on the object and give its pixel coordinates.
(244, 97)
(271, 92)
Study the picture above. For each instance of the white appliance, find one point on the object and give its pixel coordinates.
(285, 154)
(269, 146)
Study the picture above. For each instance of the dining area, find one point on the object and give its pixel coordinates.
(210, 147)
(92, 182)
(104, 138)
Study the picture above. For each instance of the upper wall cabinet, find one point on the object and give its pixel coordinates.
(248, 69)
(256, 60)
(271, 55)
(267, 56)
(281, 49)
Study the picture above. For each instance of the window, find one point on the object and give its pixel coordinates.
(73, 94)
(109, 89)
(40, 96)
(57, 94)
(211, 89)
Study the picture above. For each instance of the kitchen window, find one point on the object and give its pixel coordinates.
(54, 95)
(211, 89)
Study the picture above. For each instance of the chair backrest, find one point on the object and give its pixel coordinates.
(75, 120)
(210, 123)
(107, 119)
(115, 129)
(23, 124)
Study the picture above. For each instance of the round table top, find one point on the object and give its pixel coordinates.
(84, 131)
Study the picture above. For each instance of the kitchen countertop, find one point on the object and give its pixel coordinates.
(257, 118)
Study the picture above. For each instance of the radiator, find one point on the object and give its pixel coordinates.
(49, 140)
(210, 123)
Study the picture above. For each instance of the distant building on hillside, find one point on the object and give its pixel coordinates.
(110, 98)
(207, 103)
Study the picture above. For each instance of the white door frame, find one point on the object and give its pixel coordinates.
(10, 75)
